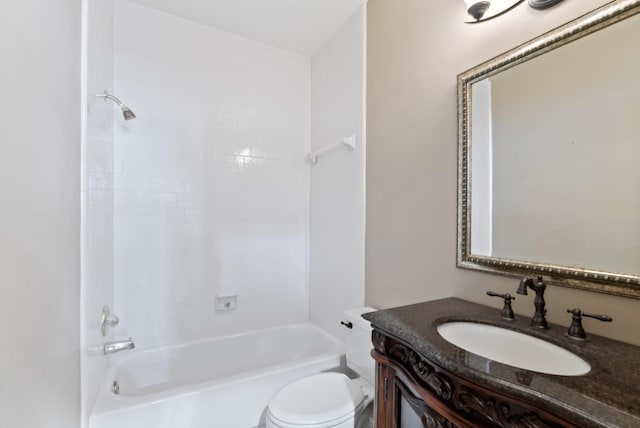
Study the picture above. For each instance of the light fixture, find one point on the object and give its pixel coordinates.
(476, 8)
(543, 4)
(484, 10)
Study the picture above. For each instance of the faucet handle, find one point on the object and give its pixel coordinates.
(576, 331)
(507, 312)
(107, 320)
(605, 318)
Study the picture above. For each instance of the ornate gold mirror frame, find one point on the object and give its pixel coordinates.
(627, 285)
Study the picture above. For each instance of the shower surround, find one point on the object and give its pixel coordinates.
(211, 187)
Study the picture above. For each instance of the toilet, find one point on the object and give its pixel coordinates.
(332, 400)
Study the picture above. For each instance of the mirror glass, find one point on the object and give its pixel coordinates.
(551, 166)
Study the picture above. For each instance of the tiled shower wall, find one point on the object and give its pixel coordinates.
(211, 185)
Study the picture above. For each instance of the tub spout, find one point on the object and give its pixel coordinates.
(118, 345)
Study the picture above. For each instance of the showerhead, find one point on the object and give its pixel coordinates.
(126, 111)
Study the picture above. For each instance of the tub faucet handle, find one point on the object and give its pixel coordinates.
(107, 320)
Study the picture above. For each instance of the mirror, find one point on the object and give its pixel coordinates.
(549, 151)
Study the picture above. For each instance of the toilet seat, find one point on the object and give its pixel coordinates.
(319, 401)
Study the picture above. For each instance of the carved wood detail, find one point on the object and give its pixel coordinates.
(378, 340)
(460, 397)
(420, 368)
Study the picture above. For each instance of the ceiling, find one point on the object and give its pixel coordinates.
(301, 26)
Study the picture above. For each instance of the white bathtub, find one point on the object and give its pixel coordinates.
(220, 383)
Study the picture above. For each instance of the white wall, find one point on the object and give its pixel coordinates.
(211, 186)
(336, 242)
(40, 214)
(97, 193)
(415, 50)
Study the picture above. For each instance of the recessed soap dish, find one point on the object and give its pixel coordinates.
(226, 302)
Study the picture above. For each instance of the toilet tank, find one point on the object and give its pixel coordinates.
(358, 343)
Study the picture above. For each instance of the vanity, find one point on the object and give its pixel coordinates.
(548, 142)
(422, 380)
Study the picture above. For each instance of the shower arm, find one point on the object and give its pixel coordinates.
(126, 111)
(108, 96)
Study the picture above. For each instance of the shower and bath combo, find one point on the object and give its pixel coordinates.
(126, 111)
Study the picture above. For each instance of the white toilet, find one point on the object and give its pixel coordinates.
(332, 400)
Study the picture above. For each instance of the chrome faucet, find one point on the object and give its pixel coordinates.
(538, 320)
(118, 345)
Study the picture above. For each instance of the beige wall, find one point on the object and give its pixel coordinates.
(415, 50)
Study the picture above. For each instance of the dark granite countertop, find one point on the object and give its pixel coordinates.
(608, 396)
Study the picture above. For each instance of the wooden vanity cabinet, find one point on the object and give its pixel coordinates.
(399, 405)
(412, 392)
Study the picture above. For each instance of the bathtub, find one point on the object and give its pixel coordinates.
(218, 383)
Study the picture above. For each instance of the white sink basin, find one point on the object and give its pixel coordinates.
(513, 348)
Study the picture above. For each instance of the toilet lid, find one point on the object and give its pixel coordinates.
(325, 399)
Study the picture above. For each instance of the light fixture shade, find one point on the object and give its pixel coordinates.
(477, 8)
(541, 4)
(483, 10)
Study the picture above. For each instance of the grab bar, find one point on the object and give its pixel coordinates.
(349, 142)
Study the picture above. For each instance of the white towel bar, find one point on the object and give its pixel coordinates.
(349, 142)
